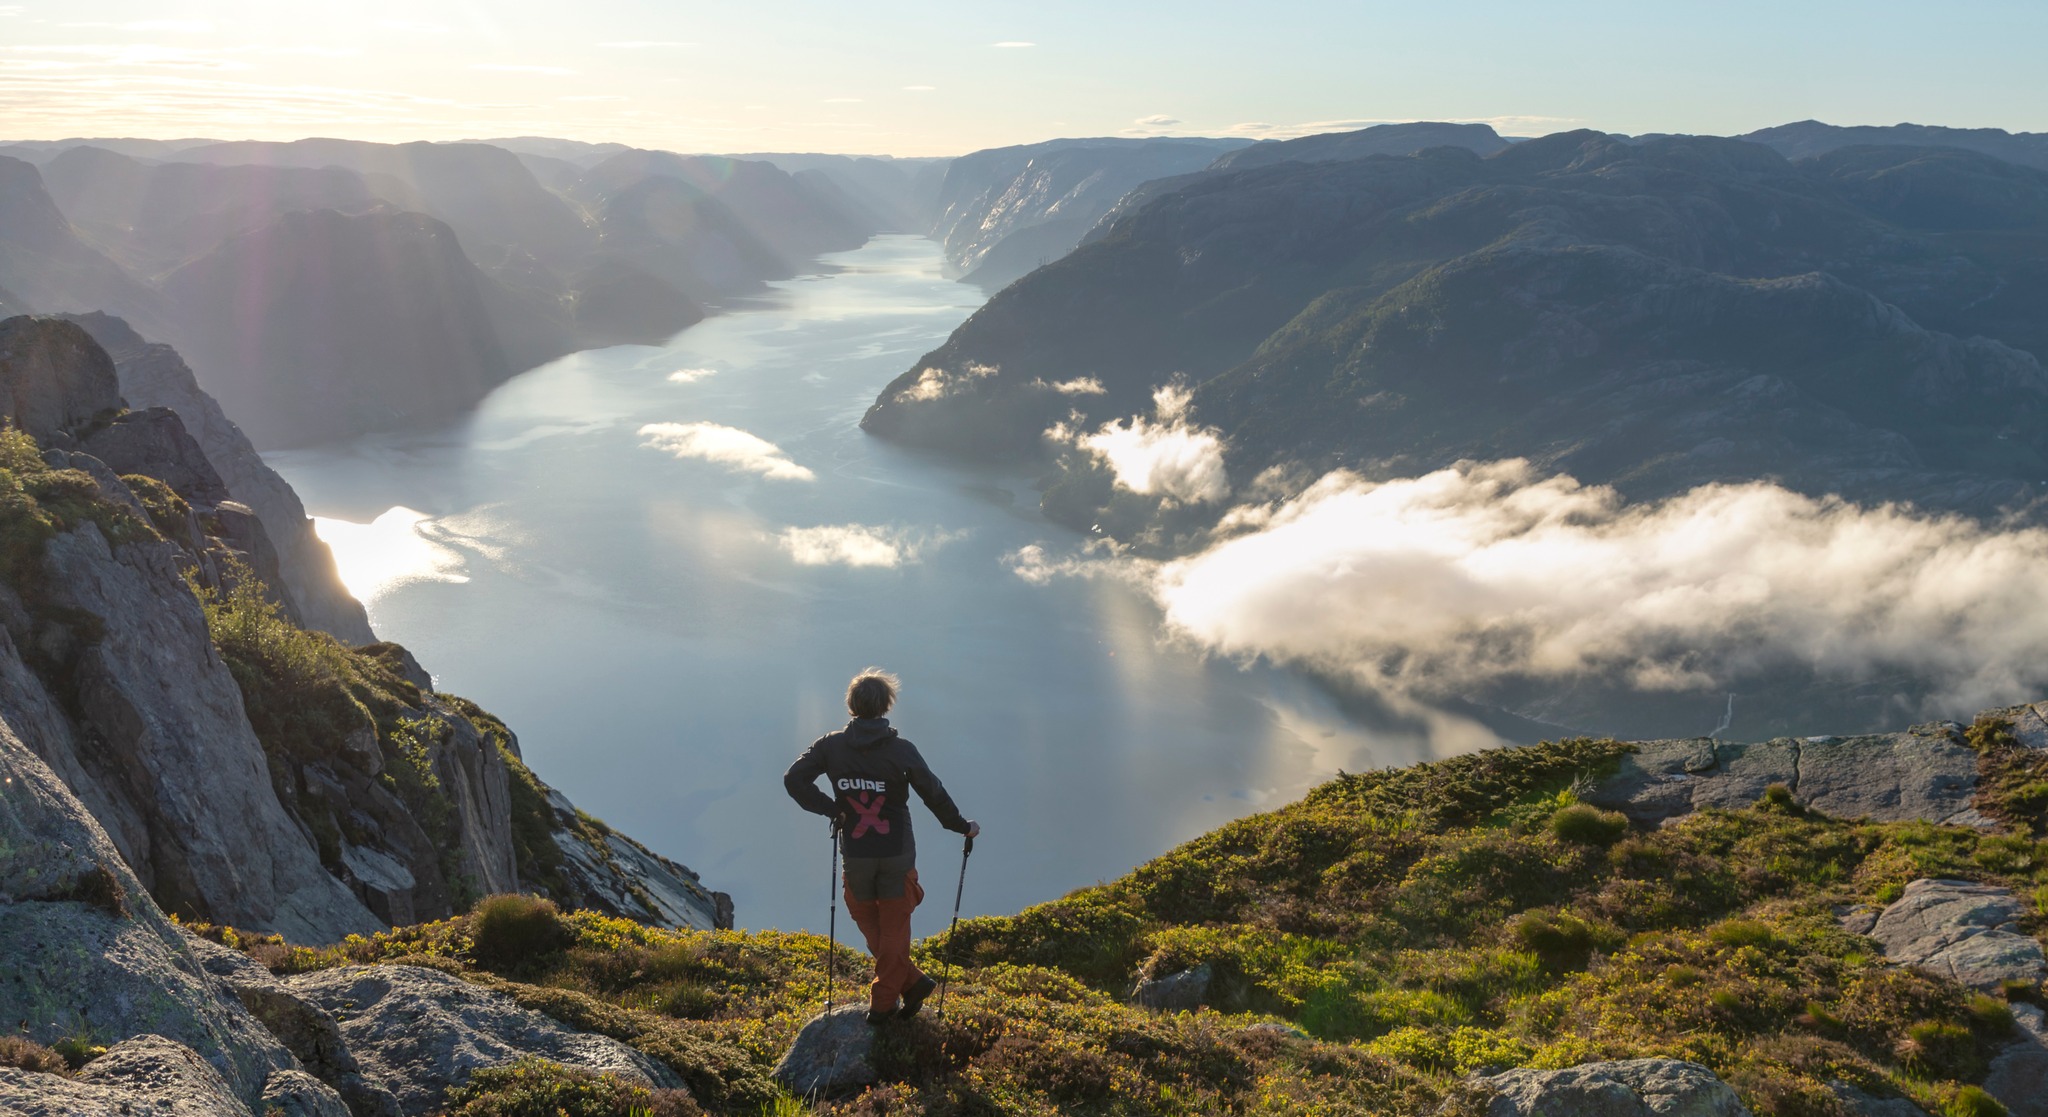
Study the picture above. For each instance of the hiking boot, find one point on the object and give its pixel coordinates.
(913, 997)
(881, 1015)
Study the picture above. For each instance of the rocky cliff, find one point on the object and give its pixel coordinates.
(249, 771)
(1006, 210)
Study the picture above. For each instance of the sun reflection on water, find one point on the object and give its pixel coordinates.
(393, 550)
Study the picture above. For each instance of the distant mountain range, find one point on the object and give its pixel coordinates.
(329, 287)
(1656, 314)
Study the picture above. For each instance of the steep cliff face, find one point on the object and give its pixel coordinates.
(250, 771)
(1007, 210)
(45, 264)
(153, 375)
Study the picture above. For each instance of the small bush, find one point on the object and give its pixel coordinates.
(537, 1088)
(26, 1054)
(98, 888)
(1972, 1101)
(1588, 825)
(1990, 1014)
(1778, 799)
(517, 934)
(1734, 933)
(76, 1051)
(1562, 940)
(2018, 990)
(1939, 1047)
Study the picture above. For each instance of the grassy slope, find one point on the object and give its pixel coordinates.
(1418, 924)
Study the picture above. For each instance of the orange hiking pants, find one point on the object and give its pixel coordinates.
(885, 922)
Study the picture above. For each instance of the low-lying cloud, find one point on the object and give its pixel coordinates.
(690, 375)
(1165, 455)
(937, 383)
(730, 447)
(857, 545)
(1485, 572)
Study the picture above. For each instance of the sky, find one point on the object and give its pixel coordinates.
(911, 79)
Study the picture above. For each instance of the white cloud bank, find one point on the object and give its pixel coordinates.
(857, 545)
(1164, 455)
(1486, 572)
(730, 447)
(937, 383)
(690, 375)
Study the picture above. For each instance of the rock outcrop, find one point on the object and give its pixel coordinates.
(421, 1032)
(89, 953)
(1623, 1088)
(1968, 933)
(153, 375)
(833, 1054)
(52, 377)
(1929, 773)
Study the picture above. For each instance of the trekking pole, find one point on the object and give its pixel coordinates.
(832, 922)
(958, 890)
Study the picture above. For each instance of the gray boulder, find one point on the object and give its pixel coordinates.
(1969, 933)
(419, 1032)
(146, 1074)
(1858, 1103)
(87, 950)
(1174, 992)
(831, 1055)
(304, 1028)
(294, 1093)
(2019, 1072)
(1927, 774)
(1623, 1088)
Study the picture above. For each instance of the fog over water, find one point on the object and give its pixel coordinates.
(660, 565)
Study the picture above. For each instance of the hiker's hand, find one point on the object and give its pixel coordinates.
(974, 830)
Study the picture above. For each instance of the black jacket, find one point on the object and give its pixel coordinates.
(872, 771)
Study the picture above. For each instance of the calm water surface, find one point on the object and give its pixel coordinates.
(666, 633)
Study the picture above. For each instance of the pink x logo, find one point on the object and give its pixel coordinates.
(867, 810)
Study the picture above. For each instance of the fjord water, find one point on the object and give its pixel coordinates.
(664, 649)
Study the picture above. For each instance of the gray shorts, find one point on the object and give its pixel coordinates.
(878, 878)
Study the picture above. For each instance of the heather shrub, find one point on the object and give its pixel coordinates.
(514, 933)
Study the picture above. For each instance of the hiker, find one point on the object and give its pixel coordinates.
(871, 771)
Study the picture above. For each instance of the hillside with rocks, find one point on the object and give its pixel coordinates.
(166, 658)
(1847, 927)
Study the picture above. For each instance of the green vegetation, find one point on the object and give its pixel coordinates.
(37, 503)
(538, 1088)
(1416, 925)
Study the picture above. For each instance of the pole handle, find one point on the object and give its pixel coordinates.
(968, 849)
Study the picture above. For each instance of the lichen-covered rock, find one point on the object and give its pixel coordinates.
(1858, 1103)
(2018, 1077)
(294, 1093)
(419, 1032)
(612, 872)
(1929, 774)
(88, 952)
(1623, 1088)
(831, 1055)
(216, 842)
(1966, 932)
(163, 1076)
(307, 1031)
(1174, 992)
(144, 1075)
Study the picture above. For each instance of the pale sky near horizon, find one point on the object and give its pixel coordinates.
(903, 78)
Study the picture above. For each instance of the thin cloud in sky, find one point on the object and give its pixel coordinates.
(920, 89)
(1012, 44)
(690, 375)
(1156, 121)
(842, 101)
(413, 26)
(510, 68)
(644, 44)
(594, 97)
(194, 26)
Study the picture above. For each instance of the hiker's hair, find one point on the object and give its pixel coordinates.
(871, 693)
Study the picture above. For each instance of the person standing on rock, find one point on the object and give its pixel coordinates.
(872, 771)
